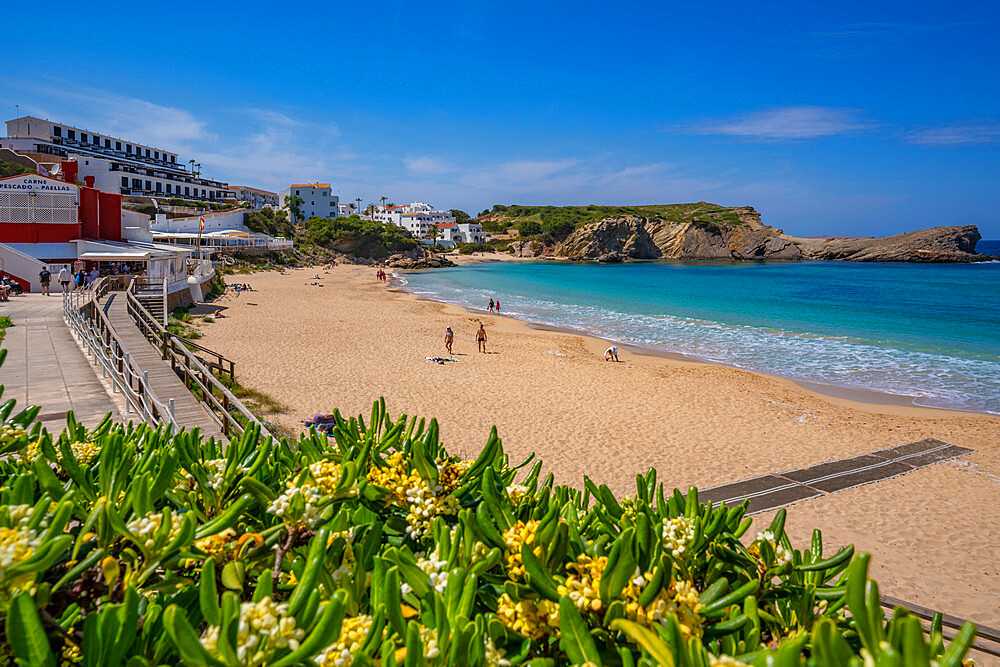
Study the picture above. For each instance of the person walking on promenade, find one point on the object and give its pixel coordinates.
(65, 277)
(44, 276)
(481, 338)
(449, 339)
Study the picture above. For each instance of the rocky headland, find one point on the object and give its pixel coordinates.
(739, 234)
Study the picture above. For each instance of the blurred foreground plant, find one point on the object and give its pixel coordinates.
(131, 545)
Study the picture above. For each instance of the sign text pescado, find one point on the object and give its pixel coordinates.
(36, 184)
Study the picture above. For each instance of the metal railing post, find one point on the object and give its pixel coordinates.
(173, 419)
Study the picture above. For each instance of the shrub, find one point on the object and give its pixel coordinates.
(527, 228)
(133, 545)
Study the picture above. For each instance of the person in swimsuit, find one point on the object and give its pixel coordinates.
(491, 306)
(497, 305)
(611, 354)
(481, 337)
(449, 338)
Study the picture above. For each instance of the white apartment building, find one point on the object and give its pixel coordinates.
(117, 165)
(454, 233)
(317, 200)
(255, 197)
(417, 217)
(347, 210)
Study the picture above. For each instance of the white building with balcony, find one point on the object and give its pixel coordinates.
(255, 198)
(317, 200)
(117, 165)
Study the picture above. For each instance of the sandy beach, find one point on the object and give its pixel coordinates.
(935, 532)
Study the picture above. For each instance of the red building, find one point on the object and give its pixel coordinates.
(41, 217)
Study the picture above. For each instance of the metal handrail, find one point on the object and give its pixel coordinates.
(192, 370)
(99, 338)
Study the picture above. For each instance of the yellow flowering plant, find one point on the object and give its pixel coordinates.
(127, 544)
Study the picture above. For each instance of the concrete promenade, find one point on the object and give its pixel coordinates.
(46, 367)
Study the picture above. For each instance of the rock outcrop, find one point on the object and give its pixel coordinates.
(418, 259)
(636, 237)
(938, 244)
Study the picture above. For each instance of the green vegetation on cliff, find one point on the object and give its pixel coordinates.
(355, 236)
(551, 224)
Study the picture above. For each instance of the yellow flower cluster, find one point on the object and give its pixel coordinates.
(583, 587)
(83, 452)
(71, 653)
(428, 637)
(680, 599)
(327, 475)
(145, 528)
(213, 545)
(677, 535)
(781, 554)
(215, 469)
(532, 618)
(518, 534)
(16, 544)
(263, 627)
(423, 500)
(353, 632)
(436, 569)
(10, 432)
(725, 661)
(495, 656)
(517, 493)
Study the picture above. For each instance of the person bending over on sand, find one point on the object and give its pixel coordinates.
(481, 337)
(449, 338)
(611, 354)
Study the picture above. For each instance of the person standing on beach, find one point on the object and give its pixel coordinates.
(481, 336)
(64, 278)
(44, 276)
(498, 305)
(491, 305)
(449, 338)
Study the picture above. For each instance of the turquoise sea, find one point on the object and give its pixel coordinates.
(930, 332)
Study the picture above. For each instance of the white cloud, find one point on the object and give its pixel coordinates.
(426, 164)
(785, 123)
(973, 132)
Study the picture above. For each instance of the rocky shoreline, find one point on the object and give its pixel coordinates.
(625, 238)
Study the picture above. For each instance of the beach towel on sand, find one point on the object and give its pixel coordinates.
(441, 360)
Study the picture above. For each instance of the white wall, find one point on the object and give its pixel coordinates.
(213, 222)
(25, 267)
(315, 201)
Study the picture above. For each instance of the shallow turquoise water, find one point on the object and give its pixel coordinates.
(927, 331)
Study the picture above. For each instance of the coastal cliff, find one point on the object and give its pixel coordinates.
(705, 231)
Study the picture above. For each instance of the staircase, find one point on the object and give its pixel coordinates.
(152, 297)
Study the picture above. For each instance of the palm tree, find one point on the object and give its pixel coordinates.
(382, 199)
(357, 208)
(433, 233)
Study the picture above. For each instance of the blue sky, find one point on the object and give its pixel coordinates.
(857, 118)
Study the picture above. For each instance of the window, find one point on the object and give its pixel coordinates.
(187, 190)
(156, 154)
(56, 131)
(147, 152)
(173, 158)
(97, 140)
(137, 184)
(118, 146)
(107, 143)
(70, 134)
(128, 148)
(149, 185)
(168, 188)
(159, 186)
(124, 181)
(83, 137)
